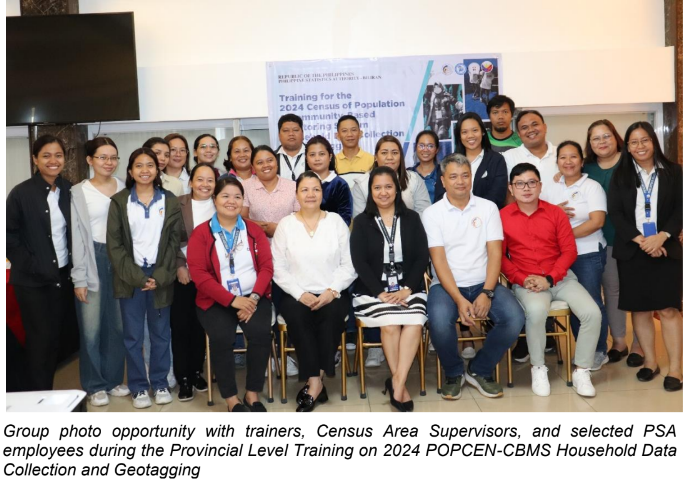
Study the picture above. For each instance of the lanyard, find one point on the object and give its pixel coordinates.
(390, 239)
(295, 164)
(647, 193)
(232, 249)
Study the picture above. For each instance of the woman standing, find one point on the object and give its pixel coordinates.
(161, 149)
(101, 356)
(188, 336)
(238, 158)
(312, 264)
(230, 262)
(588, 200)
(178, 160)
(390, 254)
(206, 150)
(38, 227)
(336, 195)
(143, 226)
(645, 204)
(427, 166)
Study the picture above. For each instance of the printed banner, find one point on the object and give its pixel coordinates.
(397, 96)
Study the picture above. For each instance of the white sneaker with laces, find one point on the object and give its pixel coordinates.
(141, 400)
(582, 382)
(469, 353)
(375, 357)
(291, 367)
(119, 391)
(540, 381)
(99, 399)
(162, 396)
(600, 359)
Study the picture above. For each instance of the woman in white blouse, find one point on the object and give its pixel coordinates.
(312, 264)
(585, 199)
(101, 356)
(389, 153)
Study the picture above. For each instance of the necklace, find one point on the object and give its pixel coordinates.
(310, 230)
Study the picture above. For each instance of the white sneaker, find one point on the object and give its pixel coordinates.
(337, 359)
(540, 381)
(141, 400)
(582, 382)
(162, 396)
(375, 357)
(600, 359)
(99, 399)
(350, 347)
(119, 391)
(171, 380)
(431, 347)
(291, 367)
(469, 353)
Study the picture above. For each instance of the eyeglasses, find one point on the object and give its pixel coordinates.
(210, 146)
(105, 158)
(520, 185)
(636, 143)
(603, 138)
(426, 146)
(180, 151)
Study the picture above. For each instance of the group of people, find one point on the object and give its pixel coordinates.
(173, 253)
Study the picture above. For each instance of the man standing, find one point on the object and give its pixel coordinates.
(351, 158)
(501, 136)
(538, 250)
(291, 152)
(464, 236)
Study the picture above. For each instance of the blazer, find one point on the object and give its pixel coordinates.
(203, 264)
(29, 242)
(367, 253)
(621, 209)
(491, 180)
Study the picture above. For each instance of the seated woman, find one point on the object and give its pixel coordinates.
(312, 264)
(588, 199)
(238, 158)
(230, 262)
(390, 254)
(389, 153)
(336, 195)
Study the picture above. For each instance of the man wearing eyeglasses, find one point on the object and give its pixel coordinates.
(538, 250)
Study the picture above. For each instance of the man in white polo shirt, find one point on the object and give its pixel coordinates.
(465, 237)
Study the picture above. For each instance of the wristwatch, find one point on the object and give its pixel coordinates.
(335, 293)
(255, 296)
(488, 293)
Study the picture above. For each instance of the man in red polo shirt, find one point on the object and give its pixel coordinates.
(538, 250)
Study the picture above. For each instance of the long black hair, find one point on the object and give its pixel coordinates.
(320, 140)
(227, 163)
(130, 182)
(589, 155)
(625, 174)
(460, 148)
(371, 207)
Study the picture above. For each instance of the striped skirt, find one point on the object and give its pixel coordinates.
(375, 313)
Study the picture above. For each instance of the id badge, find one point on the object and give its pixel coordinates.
(649, 228)
(392, 283)
(234, 287)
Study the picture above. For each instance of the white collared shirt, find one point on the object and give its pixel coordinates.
(474, 165)
(58, 228)
(546, 165)
(464, 235)
(184, 178)
(640, 213)
(332, 175)
(585, 196)
(297, 163)
(146, 226)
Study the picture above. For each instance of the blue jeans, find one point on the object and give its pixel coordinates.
(505, 313)
(589, 269)
(134, 312)
(101, 356)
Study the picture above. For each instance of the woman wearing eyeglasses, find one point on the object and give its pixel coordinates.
(206, 150)
(645, 204)
(427, 166)
(102, 353)
(178, 160)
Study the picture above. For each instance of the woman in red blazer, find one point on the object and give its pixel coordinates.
(230, 261)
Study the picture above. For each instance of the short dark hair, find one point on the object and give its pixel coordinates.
(173, 136)
(402, 174)
(499, 100)
(152, 141)
(289, 117)
(460, 148)
(44, 140)
(225, 181)
(308, 174)
(130, 182)
(94, 144)
(527, 112)
(521, 168)
(320, 140)
(227, 163)
(197, 142)
(566, 143)
(435, 139)
(590, 156)
(344, 118)
(371, 207)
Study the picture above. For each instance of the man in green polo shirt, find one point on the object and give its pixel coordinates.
(501, 136)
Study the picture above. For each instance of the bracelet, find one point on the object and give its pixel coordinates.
(334, 292)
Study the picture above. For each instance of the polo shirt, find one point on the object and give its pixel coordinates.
(361, 162)
(539, 244)
(270, 206)
(505, 144)
(547, 165)
(146, 226)
(585, 196)
(431, 179)
(297, 163)
(464, 235)
(244, 269)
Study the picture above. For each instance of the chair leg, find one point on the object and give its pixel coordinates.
(275, 357)
(568, 354)
(497, 373)
(438, 375)
(282, 340)
(344, 364)
(355, 360)
(421, 364)
(361, 363)
(270, 390)
(208, 369)
(509, 367)
(556, 328)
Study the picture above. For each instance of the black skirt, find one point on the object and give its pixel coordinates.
(648, 284)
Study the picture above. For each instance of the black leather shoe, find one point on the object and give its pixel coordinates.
(199, 383)
(239, 408)
(301, 394)
(400, 406)
(672, 384)
(255, 407)
(647, 375)
(185, 390)
(409, 406)
(615, 355)
(634, 360)
(308, 404)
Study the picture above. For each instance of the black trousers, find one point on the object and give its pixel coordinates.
(188, 336)
(47, 314)
(220, 324)
(315, 335)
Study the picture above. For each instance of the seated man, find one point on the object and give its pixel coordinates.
(464, 236)
(538, 250)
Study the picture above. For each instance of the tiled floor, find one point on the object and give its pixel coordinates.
(616, 385)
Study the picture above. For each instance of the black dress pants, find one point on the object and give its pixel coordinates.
(188, 336)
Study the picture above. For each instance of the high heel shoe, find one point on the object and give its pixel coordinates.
(308, 404)
(409, 405)
(394, 403)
